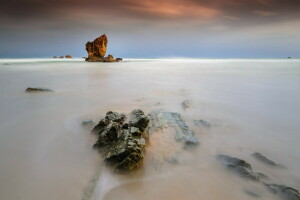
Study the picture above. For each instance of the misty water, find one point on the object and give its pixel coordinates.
(46, 153)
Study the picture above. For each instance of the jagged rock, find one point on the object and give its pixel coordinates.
(122, 143)
(139, 119)
(264, 159)
(127, 152)
(240, 167)
(161, 119)
(69, 56)
(202, 123)
(285, 192)
(186, 105)
(97, 50)
(38, 89)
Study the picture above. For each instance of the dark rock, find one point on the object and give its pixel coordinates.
(69, 56)
(61, 57)
(161, 119)
(289, 57)
(264, 159)
(38, 89)
(97, 50)
(285, 192)
(54, 57)
(122, 143)
(240, 167)
(139, 119)
(202, 123)
(126, 153)
(186, 104)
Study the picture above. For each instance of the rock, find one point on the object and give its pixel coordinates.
(285, 192)
(202, 123)
(61, 57)
(122, 143)
(38, 89)
(252, 193)
(289, 57)
(87, 122)
(240, 167)
(69, 56)
(186, 104)
(54, 57)
(127, 153)
(139, 119)
(264, 159)
(161, 119)
(97, 50)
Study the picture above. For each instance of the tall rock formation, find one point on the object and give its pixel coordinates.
(97, 50)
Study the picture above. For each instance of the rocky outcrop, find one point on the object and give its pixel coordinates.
(162, 119)
(122, 143)
(240, 167)
(69, 56)
(97, 50)
(285, 192)
(38, 89)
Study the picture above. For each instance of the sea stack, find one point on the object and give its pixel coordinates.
(97, 50)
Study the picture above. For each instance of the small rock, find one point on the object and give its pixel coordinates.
(54, 57)
(285, 192)
(202, 123)
(38, 89)
(264, 159)
(240, 167)
(252, 193)
(61, 57)
(69, 56)
(87, 122)
(186, 104)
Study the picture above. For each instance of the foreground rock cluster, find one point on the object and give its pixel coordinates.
(97, 50)
(122, 143)
(244, 169)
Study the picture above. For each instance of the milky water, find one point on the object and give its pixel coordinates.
(45, 152)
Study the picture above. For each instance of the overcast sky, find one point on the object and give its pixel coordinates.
(152, 28)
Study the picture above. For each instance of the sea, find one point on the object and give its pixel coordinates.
(248, 106)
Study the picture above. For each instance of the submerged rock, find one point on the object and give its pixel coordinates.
(38, 89)
(264, 159)
(240, 167)
(87, 122)
(285, 192)
(122, 143)
(97, 50)
(202, 123)
(186, 105)
(162, 119)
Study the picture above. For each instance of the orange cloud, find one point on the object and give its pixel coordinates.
(171, 9)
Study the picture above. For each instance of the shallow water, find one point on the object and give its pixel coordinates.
(45, 153)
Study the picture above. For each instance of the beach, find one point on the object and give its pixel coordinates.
(251, 105)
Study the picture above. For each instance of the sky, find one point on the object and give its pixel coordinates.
(151, 28)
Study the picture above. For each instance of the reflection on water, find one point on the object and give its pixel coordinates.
(45, 153)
